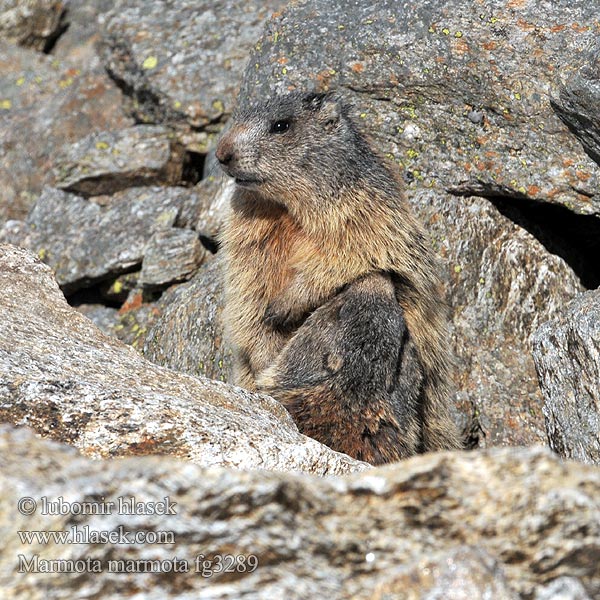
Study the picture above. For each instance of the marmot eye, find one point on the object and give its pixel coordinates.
(280, 126)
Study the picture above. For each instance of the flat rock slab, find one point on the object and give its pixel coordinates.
(109, 161)
(60, 375)
(566, 351)
(182, 60)
(501, 524)
(85, 242)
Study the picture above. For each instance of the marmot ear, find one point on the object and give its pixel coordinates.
(326, 106)
(330, 112)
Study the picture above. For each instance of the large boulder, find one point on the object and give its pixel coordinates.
(182, 60)
(60, 375)
(502, 524)
(566, 351)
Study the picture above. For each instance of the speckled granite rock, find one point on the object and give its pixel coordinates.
(181, 61)
(501, 524)
(44, 104)
(85, 242)
(457, 92)
(567, 356)
(106, 162)
(171, 256)
(60, 375)
(32, 23)
(188, 333)
(577, 101)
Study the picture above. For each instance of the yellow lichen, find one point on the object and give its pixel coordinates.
(5, 104)
(150, 62)
(102, 146)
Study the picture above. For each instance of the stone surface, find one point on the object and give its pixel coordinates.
(106, 162)
(566, 351)
(215, 193)
(182, 60)
(577, 101)
(85, 242)
(501, 524)
(61, 376)
(188, 333)
(457, 93)
(78, 42)
(501, 285)
(32, 23)
(46, 103)
(171, 256)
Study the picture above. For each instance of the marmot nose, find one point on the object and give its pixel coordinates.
(224, 154)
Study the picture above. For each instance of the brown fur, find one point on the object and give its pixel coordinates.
(293, 242)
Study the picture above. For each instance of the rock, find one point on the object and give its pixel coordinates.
(60, 375)
(103, 317)
(85, 243)
(171, 256)
(577, 102)
(78, 42)
(504, 523)
(107, 162)
(215, 193)
(182, 61)
(501, 284)
(566, 351)
(418, 75)
(563, 588)
(44, 104)
(188, 333)
(32, 23)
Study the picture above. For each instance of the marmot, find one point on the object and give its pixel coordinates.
(332, 300)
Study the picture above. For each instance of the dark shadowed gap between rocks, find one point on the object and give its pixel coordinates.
(575, 238)
(193, 167)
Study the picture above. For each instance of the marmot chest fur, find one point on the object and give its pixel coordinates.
(332, 295)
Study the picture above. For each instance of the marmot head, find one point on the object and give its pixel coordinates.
(296, 148)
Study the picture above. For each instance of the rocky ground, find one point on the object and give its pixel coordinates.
(110, 204)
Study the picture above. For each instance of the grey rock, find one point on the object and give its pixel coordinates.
(577, 101)
(103, 317)
(85, 242)
(215, 193)
(501, 284)
(32, 23)
(188, 335)
(60, 375)
(563, 588)
(106, 162)
(171, 256)
(46, 103)
(566, 351)
(502, 524)
(416, 73)
(182, 60)
(77, 43)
